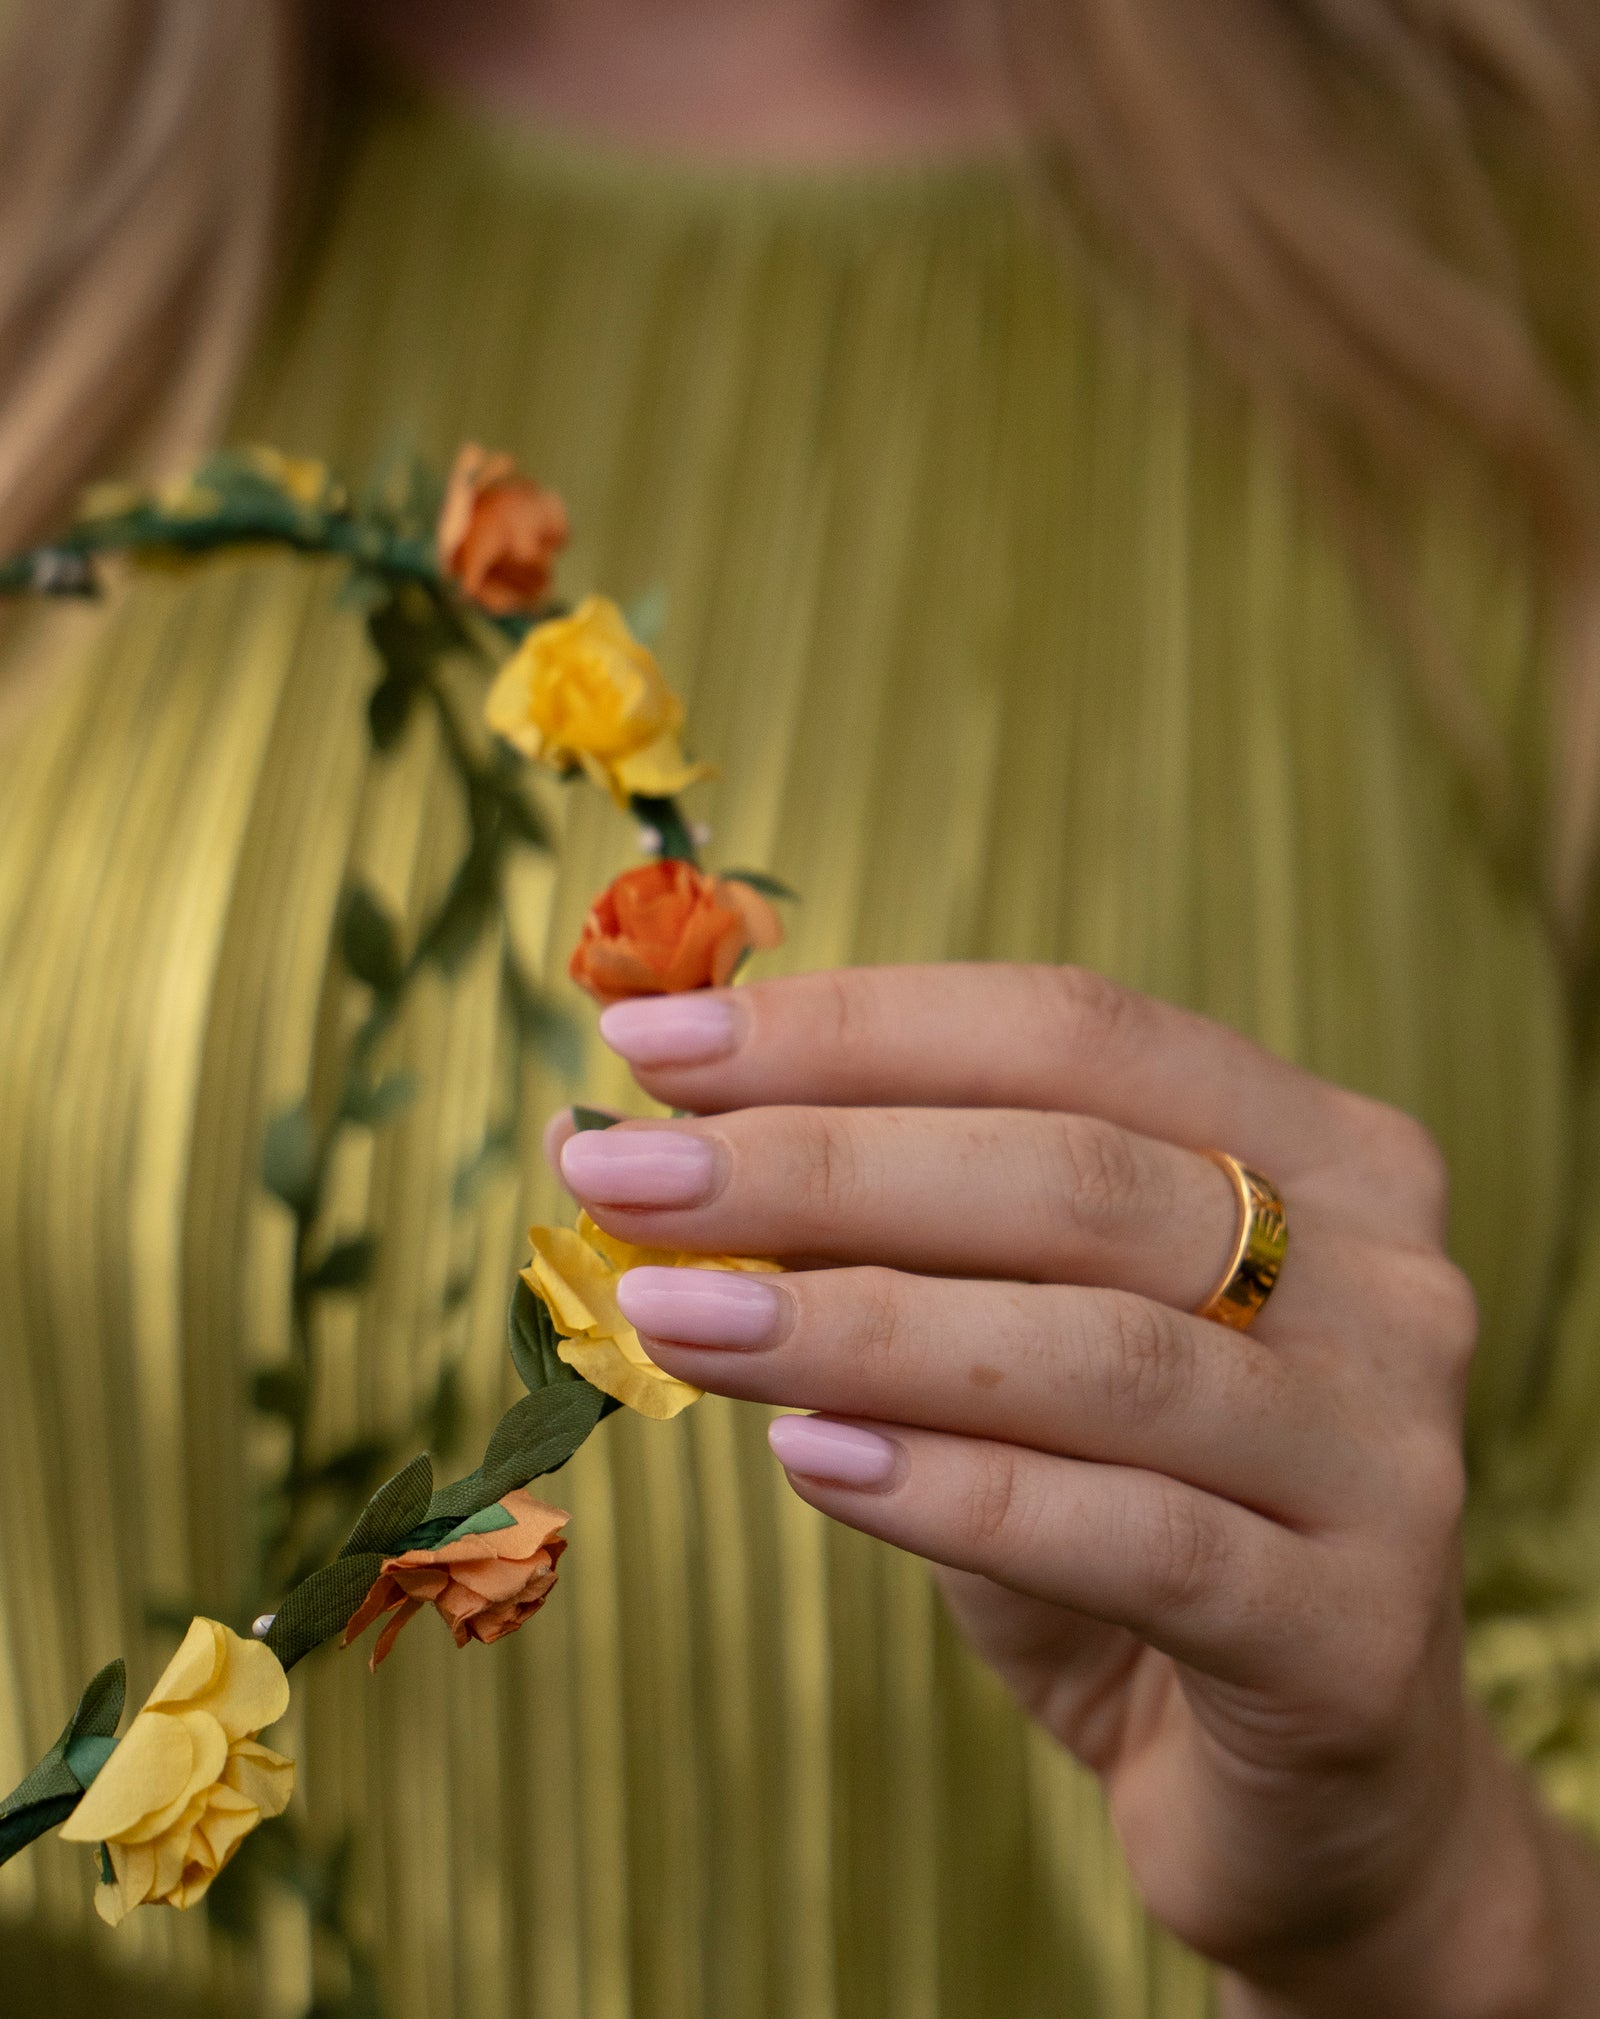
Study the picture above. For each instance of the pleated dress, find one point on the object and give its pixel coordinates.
(1014, 635)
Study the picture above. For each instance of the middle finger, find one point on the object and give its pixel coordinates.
(1031, 1197)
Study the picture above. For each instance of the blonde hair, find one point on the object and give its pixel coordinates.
(1389, 212)
(1357, 196)
(143, 151)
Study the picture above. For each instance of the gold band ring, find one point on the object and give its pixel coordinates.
(1258, 1249)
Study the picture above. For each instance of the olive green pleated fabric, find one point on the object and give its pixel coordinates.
(1013, 638)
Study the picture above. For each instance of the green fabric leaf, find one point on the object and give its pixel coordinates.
(409, 632)
(357, 1465)
(280, 1391)
(323, 1605)
(54, 1789)
(87, 1754)
(593, 1118)
(439, 1419)
(646, 615)
(544, 1026)
(389, 710)
(467, 908)
(662, 815)
(51, 1777)
(370, 942)
(290, 1160)
(758, 879)
(525, 821)
(100, 1707)
(519, 813)
(397, 1506)
(21, 1827)
(346, 1265)
(376, 1105)
(533, 1340)
(430, 1533)
(475, 1171)
(535, 1436)
(484, 1522)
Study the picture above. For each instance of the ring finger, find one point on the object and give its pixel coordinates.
(1088, 1374)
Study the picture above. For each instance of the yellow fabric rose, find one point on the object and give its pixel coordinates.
(575, 1271)
(583, 690)
(187, 1783)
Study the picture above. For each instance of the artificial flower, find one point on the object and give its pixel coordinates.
(667, 927)
(575, 1271)
(484, 1580)
(303, 478)
(582, 690)
(188, 1782)
(499, 532)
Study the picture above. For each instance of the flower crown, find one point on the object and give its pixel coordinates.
(576, 691)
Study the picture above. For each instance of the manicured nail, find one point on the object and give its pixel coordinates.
(700, 1307)
(560, 1126)
(839, 1453)
(556, 1132)
(670, 1030)
(638, 1167)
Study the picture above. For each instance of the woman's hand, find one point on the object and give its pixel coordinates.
(1219, 1566)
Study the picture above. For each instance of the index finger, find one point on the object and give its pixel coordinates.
(1006, 1036)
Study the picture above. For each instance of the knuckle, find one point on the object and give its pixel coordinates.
(1149, 1368)
(996, 1500)
(839, 1011)
(1451, 1311)
(1408, 1154)
(829, 1168)
(1186, 1553)
(1436, 1303)
(879, 1320)
(1096, 1172)
(1413, 1152)
(1088, 1009)
(1427, 1468)
(1437, 1478)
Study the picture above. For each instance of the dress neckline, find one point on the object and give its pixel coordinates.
(667, 181)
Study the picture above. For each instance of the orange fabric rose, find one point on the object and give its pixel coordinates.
(668, 927)
(484, 1580)
(499, 533)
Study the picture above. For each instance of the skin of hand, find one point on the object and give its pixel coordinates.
(1219, 1566)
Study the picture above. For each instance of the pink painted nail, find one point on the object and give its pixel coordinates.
(638, 1167)
(839, 1453)
(670, 1030)
(700, 1307)
(556, 1131)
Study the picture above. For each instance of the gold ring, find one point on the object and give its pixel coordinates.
(1258, 1249)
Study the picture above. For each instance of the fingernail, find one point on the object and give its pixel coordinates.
(700, 1307)
(638, 1167)
(670, 1030)
(556, 1131)
(837, 1452)
(562, 1124)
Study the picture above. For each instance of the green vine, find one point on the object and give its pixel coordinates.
(416, 622)
(412, 629)
(424, 621)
